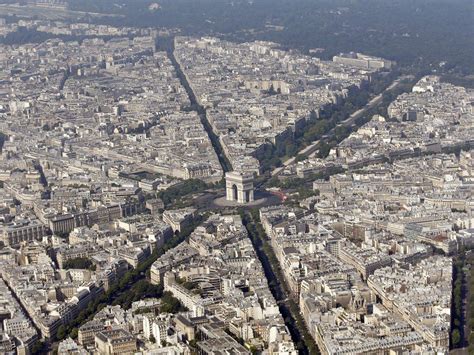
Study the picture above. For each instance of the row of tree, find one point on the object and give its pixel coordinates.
(271, 155)
(132, 286)
(470, 304)
(457, 326)
(176, 192)
(462, 308)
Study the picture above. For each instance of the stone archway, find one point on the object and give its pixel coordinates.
(234, 192)
(247, 196)
(239, 187)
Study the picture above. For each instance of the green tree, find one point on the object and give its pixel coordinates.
(38, 348)
(193, 343)
(455, 337)
(324, 149)
(73, 333)
(301, 157)
(61, 333)
(170, 304)
(79, 263)
(290, 149)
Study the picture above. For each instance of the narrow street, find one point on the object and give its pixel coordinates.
(216, 144)
(288, 306)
